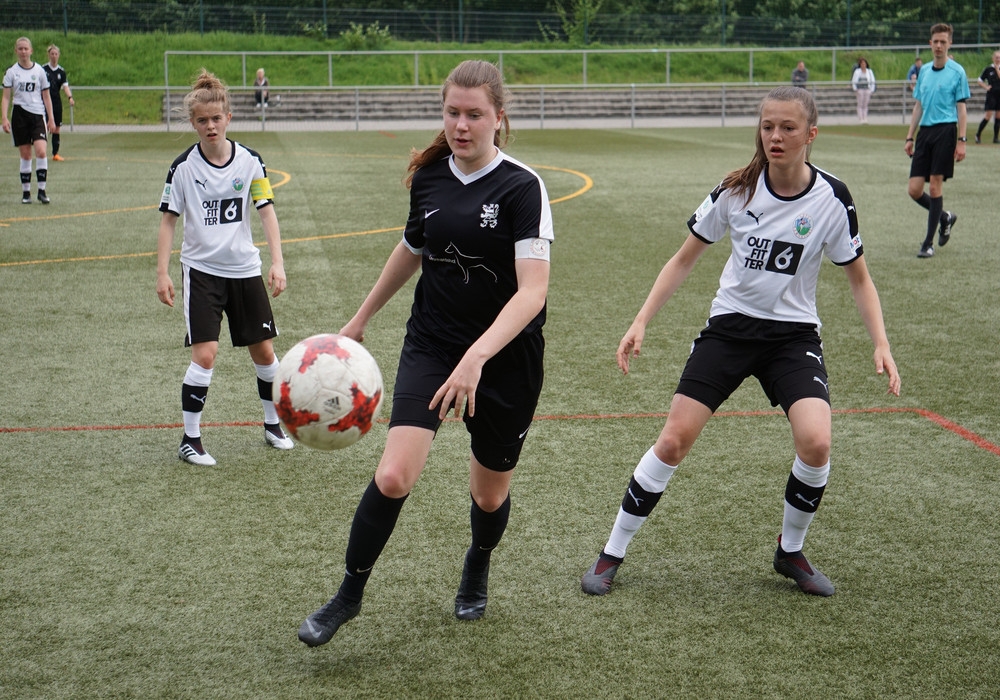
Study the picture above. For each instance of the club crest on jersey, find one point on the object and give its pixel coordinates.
(238, 184)
(489, 215)
(803, 225)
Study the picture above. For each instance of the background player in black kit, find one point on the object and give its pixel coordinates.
(989, 80)
(479, 230)
(58, 84)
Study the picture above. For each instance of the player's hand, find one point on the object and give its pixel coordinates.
(908, 148)
(165, 290)
(354, 329)
(6, 126)
(960, 150)
(458, 389)
(884, 364)
(276, 279)
(630, 346)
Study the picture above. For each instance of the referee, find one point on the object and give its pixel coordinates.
(939, 111)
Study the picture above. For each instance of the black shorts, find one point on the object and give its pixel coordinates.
(244, 302)
(57, 111)
(934, 151)
(992, 101)
(786, 358)
(26, 127)
(505, 398)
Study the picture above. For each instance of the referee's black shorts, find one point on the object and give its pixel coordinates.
(934, 151)
(244, 302)
(786, 358)
(505, 398)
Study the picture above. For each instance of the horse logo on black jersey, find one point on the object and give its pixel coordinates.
(468, 262)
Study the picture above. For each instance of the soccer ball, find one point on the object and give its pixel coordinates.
(328, 391)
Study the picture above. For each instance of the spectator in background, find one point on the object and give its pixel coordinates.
(260, 95)
(911, 75)
(863, 84)
(58, 84)
(800, 76)
(989, 80)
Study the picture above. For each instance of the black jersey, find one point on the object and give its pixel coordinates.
(466, 227)
(57, 78)
(991, 76)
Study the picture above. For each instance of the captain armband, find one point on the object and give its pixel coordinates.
(532, 249)
(261, 189)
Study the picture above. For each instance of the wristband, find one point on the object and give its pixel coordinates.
(908, 140)
(963, 139)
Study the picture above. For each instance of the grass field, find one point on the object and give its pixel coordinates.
(127, 573)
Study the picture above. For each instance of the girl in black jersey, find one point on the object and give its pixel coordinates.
(783, 216)
(215, 185)
(479, 231)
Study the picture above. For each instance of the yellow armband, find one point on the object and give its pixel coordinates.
(261, 189)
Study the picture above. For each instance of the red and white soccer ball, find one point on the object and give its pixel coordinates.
(328, 391)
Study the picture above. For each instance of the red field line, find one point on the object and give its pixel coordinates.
(977, 440)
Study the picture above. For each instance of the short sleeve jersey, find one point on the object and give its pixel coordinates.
(939, 90)
(215, 202)
(57, 78)
(466, 227)
(991, 77)
(778, 244)
(26, 85)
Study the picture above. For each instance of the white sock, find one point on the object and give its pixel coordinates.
(196, 375)
(267, 373)
(795, 523)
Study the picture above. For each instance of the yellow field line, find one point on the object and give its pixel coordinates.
(588, 183)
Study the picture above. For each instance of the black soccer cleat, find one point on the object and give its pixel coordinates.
(320, 627)
(26, 198)
(794, 565)
(597, 580)
(948, 220)
(470, 603)
(42, 197)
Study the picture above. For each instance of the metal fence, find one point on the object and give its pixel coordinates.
(449, 25)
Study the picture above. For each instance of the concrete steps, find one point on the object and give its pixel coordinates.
(559, 103)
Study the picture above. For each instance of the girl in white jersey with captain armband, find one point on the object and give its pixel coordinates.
(783, 215)
(214, 184)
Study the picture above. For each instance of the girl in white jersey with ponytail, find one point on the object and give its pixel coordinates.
(783, 215)
(214, 184)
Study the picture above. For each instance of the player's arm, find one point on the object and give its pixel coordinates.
(69, 93)
(918, 111)
(670, 278)
(963, 117)
(867, 300)
(5, 106)
(526, 303)
(402, 264)
(164, 246)
(276, 280)
(47, 100)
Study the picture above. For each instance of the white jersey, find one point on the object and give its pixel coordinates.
(26, 86)
(778, 244)
(215, 202)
